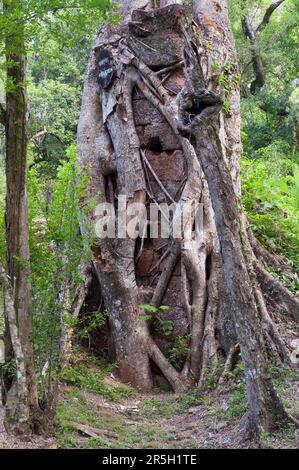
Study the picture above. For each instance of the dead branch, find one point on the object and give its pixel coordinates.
(90, 431)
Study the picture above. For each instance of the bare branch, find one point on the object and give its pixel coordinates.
(268, 15)
(257, 63)
(39, 134)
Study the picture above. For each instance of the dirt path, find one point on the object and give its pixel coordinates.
(154, 420)
(160, 421)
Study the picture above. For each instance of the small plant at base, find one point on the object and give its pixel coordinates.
(95, 320)
(214, 370)
(177, 354)
(154, 313)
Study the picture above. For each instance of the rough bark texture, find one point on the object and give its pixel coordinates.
(153, 127)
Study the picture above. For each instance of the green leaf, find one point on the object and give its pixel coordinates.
(149, 308)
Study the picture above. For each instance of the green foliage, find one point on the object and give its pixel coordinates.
(192, 398)
(96, 320)
(229, 79)
(58, 246)
(296, 186)
(29, 17)
(269, 198)
(154, 313)
(212, 375)
(238, 401)
(10, 366)
(270, 176)
(177, 354)
(56, 36)
(152, 309)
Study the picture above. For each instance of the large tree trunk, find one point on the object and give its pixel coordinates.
(17, 234)
(156, 125)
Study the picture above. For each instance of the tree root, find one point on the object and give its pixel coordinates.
(228, 364)
(276, 292)
(271, 329)
(172, 376)
(277, 262)
(166, 275)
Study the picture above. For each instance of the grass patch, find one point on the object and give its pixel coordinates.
(141, 434)
(238, 404)
(157, 407)
(76, 409)
(194, 397)
(92, 380)
(283, 378)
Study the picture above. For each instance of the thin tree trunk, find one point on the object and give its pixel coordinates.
(253, 35)
(16, 216)
(21, 414)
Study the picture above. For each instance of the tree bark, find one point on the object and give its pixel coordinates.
(153, 127)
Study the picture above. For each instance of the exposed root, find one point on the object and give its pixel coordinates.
(276, 292)
(155, 176)
(269, 259)
(166, 368)
(228, 365)
(166, 275)
(271, 329)
(171, 68)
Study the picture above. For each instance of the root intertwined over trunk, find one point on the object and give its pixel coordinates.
(153, 127)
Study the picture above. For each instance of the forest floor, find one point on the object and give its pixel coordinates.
(97, 412)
